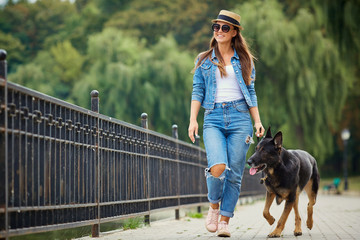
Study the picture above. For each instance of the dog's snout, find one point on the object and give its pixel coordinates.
(249, 161)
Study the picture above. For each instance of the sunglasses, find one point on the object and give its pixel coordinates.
(216, 27)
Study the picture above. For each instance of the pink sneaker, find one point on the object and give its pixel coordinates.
(212, 220)
(223, 229)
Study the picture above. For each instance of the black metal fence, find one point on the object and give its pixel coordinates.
(63, 166)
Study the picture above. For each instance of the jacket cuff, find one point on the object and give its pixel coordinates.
(197, 98)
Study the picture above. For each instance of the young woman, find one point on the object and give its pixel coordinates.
(223, 85)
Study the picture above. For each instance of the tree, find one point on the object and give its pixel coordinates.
(14, 49)
(300, 86)
(153, 19)
(111, 6)
(54, 72)
(32, 24)
(132, 79)
(338, 20)
(36, 75)
(68, 62)
(112, 70)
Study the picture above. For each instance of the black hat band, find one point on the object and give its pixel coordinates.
(229, 19)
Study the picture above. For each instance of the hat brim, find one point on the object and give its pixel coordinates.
(222, 20)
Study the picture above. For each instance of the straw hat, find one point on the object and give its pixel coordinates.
(229, 17)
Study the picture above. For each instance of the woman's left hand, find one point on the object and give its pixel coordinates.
(260, 130)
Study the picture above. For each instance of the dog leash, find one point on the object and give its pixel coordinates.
(258, 139)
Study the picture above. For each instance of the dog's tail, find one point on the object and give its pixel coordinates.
(315, 178)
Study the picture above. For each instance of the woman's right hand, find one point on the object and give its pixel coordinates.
(193, 130)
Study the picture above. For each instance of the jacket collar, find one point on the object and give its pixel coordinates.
(236, 55)
(213, 56)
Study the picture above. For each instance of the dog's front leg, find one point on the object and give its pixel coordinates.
(297, 231)
(268, 201)
(281, 223)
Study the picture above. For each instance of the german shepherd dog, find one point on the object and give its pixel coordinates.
(287, 173)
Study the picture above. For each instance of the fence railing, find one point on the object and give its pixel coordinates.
(63, 166)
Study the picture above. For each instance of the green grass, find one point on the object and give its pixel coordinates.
(194, 215)
(133, 223)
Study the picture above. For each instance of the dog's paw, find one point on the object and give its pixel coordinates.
(297, 233)
(274, 235)
(309, 223)
(270, 220)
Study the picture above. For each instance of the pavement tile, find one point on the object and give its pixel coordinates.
(335, 217)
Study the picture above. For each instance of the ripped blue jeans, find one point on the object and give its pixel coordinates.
(227, 137)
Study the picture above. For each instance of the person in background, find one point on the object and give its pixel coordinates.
(223, 84)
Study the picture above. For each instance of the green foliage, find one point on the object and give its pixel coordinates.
(187, 20)
(68, 62)
(113, 60)
(111, 6)
(52, 72)
(154, 19)
(133, 223)
(13, 47)
(32, 24)
(127, 74)
(300, 79)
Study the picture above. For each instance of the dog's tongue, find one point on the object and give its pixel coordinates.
(252, 171)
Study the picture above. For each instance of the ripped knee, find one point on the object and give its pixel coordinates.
(217, 170)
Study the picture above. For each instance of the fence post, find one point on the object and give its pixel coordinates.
(4, 191)
(95, 229)
(144, 124)
(94, 101)
(144, 120)
(197, 143)
(175, 131)
(3, 64)
(176, 136)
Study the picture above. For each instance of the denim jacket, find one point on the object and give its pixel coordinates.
(204, 82)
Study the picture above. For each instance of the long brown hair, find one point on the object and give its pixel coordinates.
(246, 58)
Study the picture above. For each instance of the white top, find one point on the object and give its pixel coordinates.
(227, 87)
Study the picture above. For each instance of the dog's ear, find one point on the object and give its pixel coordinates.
(278, 140)
(268, 133)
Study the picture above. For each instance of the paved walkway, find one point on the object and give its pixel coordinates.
(335, 217)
